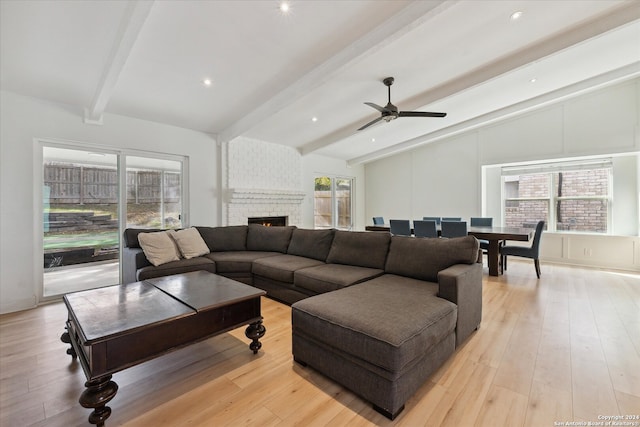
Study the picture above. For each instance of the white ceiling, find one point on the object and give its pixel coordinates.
(273, 72)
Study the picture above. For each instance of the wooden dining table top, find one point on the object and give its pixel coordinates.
(486, 233)
(502, 233)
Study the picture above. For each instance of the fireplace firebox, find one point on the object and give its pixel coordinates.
(269, 221)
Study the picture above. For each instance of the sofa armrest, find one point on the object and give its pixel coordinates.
(133, 259)
(462, 285)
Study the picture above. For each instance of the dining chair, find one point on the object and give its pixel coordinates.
(452, 218)
(523, 251)
(422, 228)
(400, 227)
(453, 228)
(437, 219)
(482, 222)
(378, 220)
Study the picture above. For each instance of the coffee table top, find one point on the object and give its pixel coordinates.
(202, 290)
(112, 310)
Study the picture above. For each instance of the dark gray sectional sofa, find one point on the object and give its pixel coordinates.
(376, 313)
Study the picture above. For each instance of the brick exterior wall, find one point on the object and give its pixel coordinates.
(572, 215)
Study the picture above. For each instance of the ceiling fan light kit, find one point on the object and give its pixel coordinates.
(390, 112)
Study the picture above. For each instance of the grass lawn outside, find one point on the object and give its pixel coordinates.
(146, 215)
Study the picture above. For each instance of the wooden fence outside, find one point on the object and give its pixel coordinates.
(75, 184)
(322, 208)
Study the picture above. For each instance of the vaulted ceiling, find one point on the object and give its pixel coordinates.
(273, 72)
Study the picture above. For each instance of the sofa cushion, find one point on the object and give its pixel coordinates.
(424, 258)
(282, 267)
(311, 243)
(329, 277)
(270, 239)
(231, 238)
(189, 242)
(359, 248)
(389, 321)
(236, 261)
(176, 267)
(130, 236)
(159, 247)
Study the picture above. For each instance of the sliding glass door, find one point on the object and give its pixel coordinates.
(84, 211)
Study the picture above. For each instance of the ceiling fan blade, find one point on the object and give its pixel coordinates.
(420, 114)
(377, 107)
(372, 122)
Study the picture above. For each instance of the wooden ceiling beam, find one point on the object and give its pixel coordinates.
(130, 27)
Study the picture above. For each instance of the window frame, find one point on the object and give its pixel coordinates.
(551, 170)
(334, 200)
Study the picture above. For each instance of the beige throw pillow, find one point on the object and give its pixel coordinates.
(158, 247)
(189, 242)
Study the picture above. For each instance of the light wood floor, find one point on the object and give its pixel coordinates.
(562, 348)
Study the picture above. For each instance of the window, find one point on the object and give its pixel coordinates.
(569, 196)
(154, 190)
(332, 202)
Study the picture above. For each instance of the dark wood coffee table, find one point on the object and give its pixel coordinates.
(116, 327)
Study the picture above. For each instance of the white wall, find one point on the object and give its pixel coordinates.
(21, 120)
(445, 177)
(426, 182)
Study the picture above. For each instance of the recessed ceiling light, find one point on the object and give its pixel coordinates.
(314, 119)
(373, 140)
(533, 80)
(207, 82)
(284, 7)
(516, 15)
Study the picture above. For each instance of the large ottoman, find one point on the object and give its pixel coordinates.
(381, 339)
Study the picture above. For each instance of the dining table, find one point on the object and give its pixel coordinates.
(493, 235)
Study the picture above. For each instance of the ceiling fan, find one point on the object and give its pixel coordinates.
(390, 112)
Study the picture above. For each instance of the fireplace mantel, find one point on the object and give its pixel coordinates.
(255, 195)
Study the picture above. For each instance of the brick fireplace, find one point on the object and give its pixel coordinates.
(263, 180)
(254, 203)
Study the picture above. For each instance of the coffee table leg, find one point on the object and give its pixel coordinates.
(98, 393)
(66, 338)
(254, 332)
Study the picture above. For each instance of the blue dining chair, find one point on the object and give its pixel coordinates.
(378, 220)
(400, 227)
(437, 219)
(452, 218)
(482, 222)
(453, 228)
(425, 228)
(523, 251)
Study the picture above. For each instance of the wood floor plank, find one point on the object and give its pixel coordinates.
(502, 407)
(548, 405)
(517, 366)
(593, 392)
(553, 359)
(562, 348)
(426, 400)
(627, 403)
(462, 401)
